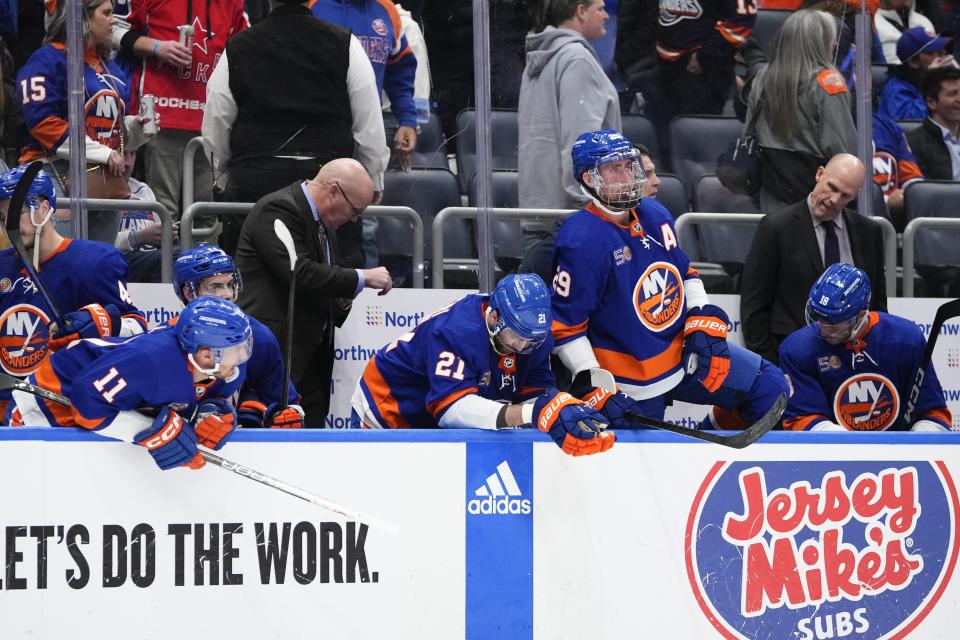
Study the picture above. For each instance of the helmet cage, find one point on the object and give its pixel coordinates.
(620, 195)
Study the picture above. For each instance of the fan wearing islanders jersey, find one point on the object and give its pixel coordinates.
(113, 383)
(87, 281)
(852, 369)
(627, 302)
(482, 362)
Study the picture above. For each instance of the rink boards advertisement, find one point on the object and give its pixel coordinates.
(500, 535)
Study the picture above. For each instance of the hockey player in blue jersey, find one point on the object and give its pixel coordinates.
(627, 303)
(482, 362)
(87, 280)
(111, 382)
(206, 270)
(851, 368)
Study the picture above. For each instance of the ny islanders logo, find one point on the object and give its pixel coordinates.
(658, 296)
(866, 402)
(858, 550)
(23, 339)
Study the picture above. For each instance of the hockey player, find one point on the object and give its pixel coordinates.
(206, 270)
(111, 381)
(87, 280)
(851, 368)
(627, 302)
(482, 362)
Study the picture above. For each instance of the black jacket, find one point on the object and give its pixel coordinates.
(926, 142)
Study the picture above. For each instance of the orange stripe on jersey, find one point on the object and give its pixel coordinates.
(626, 366)
(50, 131)
(400, 56)
(59, 249)
(802, 423)
(437, 407)
(940, 414)
(65, 416)
(733, 33)
(29, 155)
(382, 397)
(907, 170)
(692, 273)
(561, 331)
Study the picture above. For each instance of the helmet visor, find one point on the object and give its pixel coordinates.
(235, 355)
(511, 342)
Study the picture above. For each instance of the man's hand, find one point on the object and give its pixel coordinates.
(115, 164)
(693, 65)
(171, 441)
(598, 389)
(215, 422)
(92, 321)
(378, 278)
(152, 234)
(576, 428)
(172, 52)
(289, 418)
(404, 144)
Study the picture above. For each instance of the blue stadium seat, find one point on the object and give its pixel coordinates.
(503, 141)
(673, 195)
(697, 141)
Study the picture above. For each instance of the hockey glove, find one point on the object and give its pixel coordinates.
(289, 418)
(171, 441)
(91, 321)
(593, 387)
(250, 413)
(575, 427)
(705, 353)
(214, 423)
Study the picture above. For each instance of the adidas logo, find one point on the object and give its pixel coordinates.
(499, 495)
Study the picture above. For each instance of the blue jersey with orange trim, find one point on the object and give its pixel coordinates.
(715, 28)
(78, 273)
(863, 386)
(894, 165)
(42, 82)
(376, 24)
(104, 376)
(414, 380)
(622, 286)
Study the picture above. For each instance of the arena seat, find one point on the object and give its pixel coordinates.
(697, 141)
(641, 130)
(673, 194)
(709, 195)
(503, 140)
(934, 199)
(507, 234)
(767, 27)
(431, 147)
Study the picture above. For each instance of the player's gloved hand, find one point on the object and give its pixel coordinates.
(250, 413)
(289, 418)
(597, 388)
(171, 441)
(91, 321)
(575, 427)
(215, 422)
(705, 352)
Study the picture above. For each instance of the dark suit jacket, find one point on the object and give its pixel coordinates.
(926, 142)
(783, 263)
(265, 266)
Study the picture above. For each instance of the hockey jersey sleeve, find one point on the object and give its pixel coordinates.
(931, 404)
(732, 28)
(452, 369)
(42, 84)
(264, 375)
(106, 283)
(107, 393)
(400, 73)
(808, 404)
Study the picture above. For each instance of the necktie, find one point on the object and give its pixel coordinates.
(324, 246)
(831, 245)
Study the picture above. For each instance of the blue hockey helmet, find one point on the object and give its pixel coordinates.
(42, 186)
(522, 303)
(838, 295)
(594, 149)
(202, 261)
(218, 324)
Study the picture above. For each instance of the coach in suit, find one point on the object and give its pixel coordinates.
(312, 210)
(791, 247)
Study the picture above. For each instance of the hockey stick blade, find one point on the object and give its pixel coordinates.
(737, 441)
(946, 311)
(10, 382)
(13, 233)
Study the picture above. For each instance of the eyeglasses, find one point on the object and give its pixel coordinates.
(357, 212)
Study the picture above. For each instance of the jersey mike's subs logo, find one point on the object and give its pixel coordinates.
(658, 296)
(23, 339)
(859, 550)
(866, 402)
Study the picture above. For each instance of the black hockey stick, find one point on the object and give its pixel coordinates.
(10, 382)
(737, 441)
(946, 311)
(284, 235)
(13, 232)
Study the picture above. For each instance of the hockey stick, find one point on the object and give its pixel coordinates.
(13, 232)
(737, 441)
(284, 235)
(946, 311)
(10, 382)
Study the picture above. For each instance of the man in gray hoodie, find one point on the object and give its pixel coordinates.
(564, 92)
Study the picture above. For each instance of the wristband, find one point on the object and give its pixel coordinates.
(156, 46)
(134, 239)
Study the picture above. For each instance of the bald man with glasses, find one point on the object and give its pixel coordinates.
(312, 210)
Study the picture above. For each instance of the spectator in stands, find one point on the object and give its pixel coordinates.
(792, 247)
(140, 231)
(276, 113)
(312, 210)
(176, 75)
(109, 131)
(804, 109)
(919, 52)
(894, 166)
(635, 54)
(935, 142)
(892, 19)
(564, 92)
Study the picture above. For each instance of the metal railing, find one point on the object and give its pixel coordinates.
(471, 212)
(166, 224)
(234, 208)
(889, 238)
(188, 186)
(909, 256)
